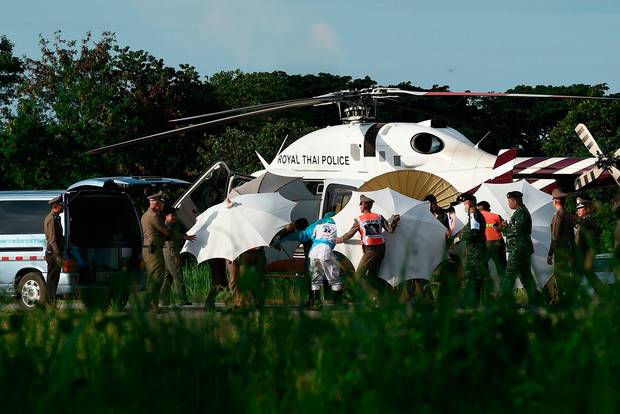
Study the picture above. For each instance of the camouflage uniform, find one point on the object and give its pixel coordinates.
(172, 250)
(518, 233)
(587, 237)
(478, 283)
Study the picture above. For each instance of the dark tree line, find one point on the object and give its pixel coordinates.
(83, 94)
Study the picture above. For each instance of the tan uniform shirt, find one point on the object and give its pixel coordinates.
(53, 234)
(562, 233)
(154, 229)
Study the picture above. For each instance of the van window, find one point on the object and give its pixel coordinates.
(23, 217)
(98, 220)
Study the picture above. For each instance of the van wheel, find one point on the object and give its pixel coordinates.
(31, 290)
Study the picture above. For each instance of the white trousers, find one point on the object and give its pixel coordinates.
(328, 269)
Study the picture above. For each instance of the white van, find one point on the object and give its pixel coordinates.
(103, 237)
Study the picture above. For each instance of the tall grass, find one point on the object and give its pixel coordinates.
(395, 358)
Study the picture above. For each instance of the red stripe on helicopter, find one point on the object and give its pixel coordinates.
(20, 258)
(557, 166)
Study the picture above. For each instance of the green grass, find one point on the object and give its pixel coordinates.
(363, 359)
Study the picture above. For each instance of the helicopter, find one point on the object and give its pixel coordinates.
(335, 160)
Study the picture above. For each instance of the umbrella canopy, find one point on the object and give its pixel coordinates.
(413, 251)
(230, 228)
(541, 209)
(291, 188)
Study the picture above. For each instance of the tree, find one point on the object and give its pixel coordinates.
(11, 68)
(81, 96)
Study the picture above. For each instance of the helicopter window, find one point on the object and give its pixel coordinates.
(336, 197)
(426, 143)
(396, 160)
(315, 187)
(381, 155)
(355, 152)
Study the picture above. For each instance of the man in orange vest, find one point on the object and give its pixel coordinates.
(496, 248)
(370, 226)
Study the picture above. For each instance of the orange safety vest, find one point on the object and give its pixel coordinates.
(370, 228)
(492, 219)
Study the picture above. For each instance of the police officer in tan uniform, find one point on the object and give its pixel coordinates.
(55, 247)
(562, 249)
(155, 232)
(370, 226)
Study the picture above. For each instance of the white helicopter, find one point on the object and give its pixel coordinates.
(337, 159)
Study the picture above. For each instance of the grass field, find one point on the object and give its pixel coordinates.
(361, 359)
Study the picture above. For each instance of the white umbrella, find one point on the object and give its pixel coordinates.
(230, 228)
(291, 188)
(540, 207)
(413, 251)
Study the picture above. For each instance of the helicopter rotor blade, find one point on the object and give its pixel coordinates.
(237, 110)
(587, 177)
(204, 125)
(588, 140)
(377, 92)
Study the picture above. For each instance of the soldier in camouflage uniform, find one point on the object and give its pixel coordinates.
(518, 233)
(587, 237)
(478, 282)
(172, 251)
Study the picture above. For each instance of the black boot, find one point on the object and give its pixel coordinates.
(315, 299)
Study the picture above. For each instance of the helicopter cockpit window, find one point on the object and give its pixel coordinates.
(426, 143)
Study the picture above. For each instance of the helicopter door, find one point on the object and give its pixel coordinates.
(206, 191)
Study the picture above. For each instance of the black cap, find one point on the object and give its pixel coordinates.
(485, 205)
(431, 198)
(364, 199)
(466, 197)
(583, 201)
(169, 210)
(56, 200)
(515, 194)
(158, 196)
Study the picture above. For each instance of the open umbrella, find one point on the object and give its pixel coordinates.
(291, 188)
(540, 207)
(230, 228)
(413, 251)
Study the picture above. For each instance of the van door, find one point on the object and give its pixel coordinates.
(103, 234)
(208, 190)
